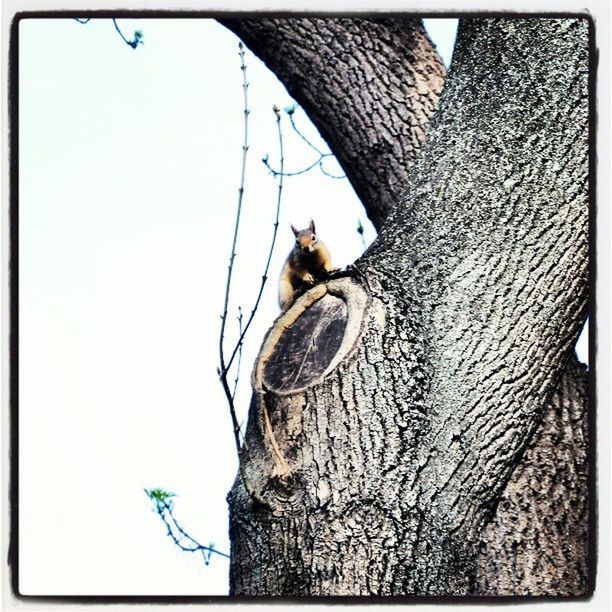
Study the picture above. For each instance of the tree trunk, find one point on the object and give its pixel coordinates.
(398, 453)
(537, 542)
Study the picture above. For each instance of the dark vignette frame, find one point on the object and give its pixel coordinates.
(13, 109)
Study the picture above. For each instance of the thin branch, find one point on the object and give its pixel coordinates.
(272, 243)
(222, 371)
(360, 231)
(239, 353)
(318, 162)
(137, 40)
(245, 148)
(291, 113)
(163, 508)
(296, 173)
(326, 172)
(224, 366)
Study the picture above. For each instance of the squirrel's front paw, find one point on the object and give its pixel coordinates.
(308, 278)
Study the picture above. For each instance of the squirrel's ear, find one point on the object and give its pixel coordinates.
(312, 227)
(295, 231)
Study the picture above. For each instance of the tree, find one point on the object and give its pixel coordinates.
(392, 407)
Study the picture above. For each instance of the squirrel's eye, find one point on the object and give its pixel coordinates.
(314, 238)
(297, 242)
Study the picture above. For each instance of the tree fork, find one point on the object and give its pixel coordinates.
(397, 481)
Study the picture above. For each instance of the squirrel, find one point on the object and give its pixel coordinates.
(308, 263)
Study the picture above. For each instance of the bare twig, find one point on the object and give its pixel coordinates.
(360, 231)
(273, 241)
(237, 377)
(137, 40)
(291, 113)
(163, 507)
(224, 366)
(318, 162)
(223, 369)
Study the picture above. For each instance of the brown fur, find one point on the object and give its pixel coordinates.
(308, 263)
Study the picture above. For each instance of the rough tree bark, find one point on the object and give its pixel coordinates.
(537, 542)
(445, 327)
(510, 559)
(369, 85)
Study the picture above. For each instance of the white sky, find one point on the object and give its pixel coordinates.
(129, 170)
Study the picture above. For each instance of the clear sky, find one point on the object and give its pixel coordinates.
(129, 173)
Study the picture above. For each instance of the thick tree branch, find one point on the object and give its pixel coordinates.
(358, 98)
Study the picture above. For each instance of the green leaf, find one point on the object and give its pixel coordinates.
(159, 494)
